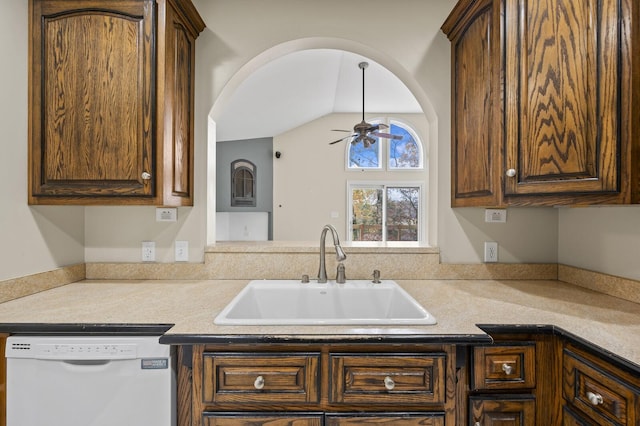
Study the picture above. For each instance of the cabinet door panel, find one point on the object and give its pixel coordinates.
(476, 133)
(211, 419)
(502, 411)
(177, 125)
(389, 420)
(93, 95)
(562, 114)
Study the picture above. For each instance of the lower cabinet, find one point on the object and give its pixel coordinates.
(321, 384)
(381, 419)
(512, 381)
(502, 410)
(596, 392)
(355, 419)
(231, 419)
(523, 378)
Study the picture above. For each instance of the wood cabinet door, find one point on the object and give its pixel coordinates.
(476, 128)
(177, 36)
(564, 64)
(214, 419)
(486, 411)
(384, 420)
(91, 108)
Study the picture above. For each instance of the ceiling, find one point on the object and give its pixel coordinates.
(303, 86)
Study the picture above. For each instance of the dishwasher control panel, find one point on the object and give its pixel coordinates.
(71, 349)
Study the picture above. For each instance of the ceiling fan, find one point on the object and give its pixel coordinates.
(365, 132)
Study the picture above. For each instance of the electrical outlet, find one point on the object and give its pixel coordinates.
(148, 251)
(490, 251)
(182, 251)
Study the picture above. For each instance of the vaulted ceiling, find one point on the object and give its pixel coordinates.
(303, 86)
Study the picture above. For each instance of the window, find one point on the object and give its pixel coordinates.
(402, 154)
(381, 212)
(389, 210)
(243, 183)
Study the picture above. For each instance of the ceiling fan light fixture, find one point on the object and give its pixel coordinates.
(363, 130)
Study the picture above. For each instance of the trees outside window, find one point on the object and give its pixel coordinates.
(385, 212)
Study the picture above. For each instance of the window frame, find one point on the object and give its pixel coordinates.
(242, 165)
(378, 184)
(384, 149)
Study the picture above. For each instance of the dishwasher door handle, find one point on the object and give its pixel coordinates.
(86, 362)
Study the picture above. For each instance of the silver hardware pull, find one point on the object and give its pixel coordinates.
(511, 172)
(595, 398)
(507, 369)
(389, 384)
(146, 175)
(259, 383)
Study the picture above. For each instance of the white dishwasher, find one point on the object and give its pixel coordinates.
(89, 381)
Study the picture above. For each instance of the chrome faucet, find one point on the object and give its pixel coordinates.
(340, 255)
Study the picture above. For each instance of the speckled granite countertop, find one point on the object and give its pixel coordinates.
(609, 323)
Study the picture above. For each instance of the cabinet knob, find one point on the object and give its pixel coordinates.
(507, 369)
(511, 172)
(146, 175)
(477, 424)
(389, 384)
(594, 398)
(259, 383)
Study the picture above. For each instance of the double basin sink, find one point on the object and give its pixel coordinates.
(291, 302)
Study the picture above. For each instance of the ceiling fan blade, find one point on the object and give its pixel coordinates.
(382, 126)
(386, 135)
(341, 139)
(340, 130)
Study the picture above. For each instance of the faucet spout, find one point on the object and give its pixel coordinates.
(340, 254)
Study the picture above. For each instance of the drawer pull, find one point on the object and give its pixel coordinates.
(594, 398)
(259, 383)
(146, 176)
(477, 424)
(389, 383)
(507, 369)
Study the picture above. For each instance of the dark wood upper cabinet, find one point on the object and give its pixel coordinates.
(111, 101)
(544, 101)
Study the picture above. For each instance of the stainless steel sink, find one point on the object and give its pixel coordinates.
(290, 302)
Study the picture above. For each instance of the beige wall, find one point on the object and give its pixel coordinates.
(34, 239)
(603, 239)
(38, 239)
(309, 179)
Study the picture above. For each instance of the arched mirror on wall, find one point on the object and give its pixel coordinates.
(243, 183)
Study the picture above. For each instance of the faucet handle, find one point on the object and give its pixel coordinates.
(305, 279)
(376, 276)
(341, 277)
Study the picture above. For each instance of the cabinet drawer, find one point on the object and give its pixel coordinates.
(383, 419)
(504, 367)
(409, 379)
(216, 419)
(571, 418)
(599, 393)
(251, 378)
(506, 410)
